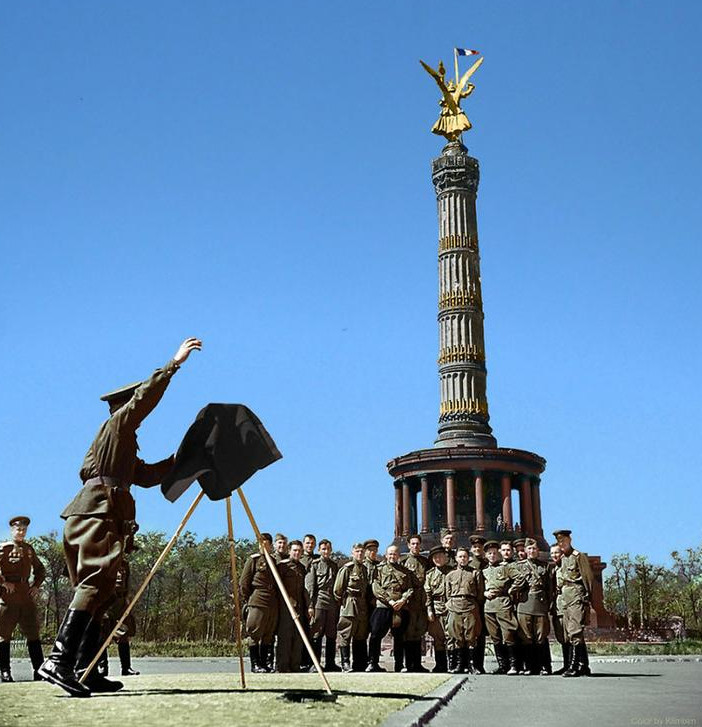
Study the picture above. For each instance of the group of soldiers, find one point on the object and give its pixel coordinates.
(460, 597)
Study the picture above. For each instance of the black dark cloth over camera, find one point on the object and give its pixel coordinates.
(223, 447)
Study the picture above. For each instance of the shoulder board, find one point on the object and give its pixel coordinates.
(575, 552)
(255, 555)
(7, 544)
(285, 560)
(347, 565)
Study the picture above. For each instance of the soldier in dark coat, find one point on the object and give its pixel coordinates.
(415, 562)
(18, 565)
(289, 642)
(98, 519)
(351, 592)
(323, 608)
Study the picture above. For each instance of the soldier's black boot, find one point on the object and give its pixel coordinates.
(513, 660)
(416, 651)
(573, 669)
(451, 661)
(545, 658)
(5, 673)
(59, 667)
(374, 647)
(468, 667)
(565, 649)
(87, 650)
(359, 652)
(125, 659)
(460, 661)
(441, 666)
(103, 665)
(345, 655)
(479, 655)
(400, 655)
(501, 658)
(330, 655)
(255, 659)
(585, 659)
(36, 656)
(265, 657)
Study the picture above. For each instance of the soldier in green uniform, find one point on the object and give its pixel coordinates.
(280, 548)
(519, 549)
(532, 610)
(259, 594)
(513, 552)
(557, 605)
(499, 609)
(415, 562)
(437, 615)
(289, 642)
(448, 540)
(323, 609)
(478, 561)
(18, 564)
(393, 586)
(464, 591)
(576, 591)
(98, 519)
(309, 543)
(351, 591)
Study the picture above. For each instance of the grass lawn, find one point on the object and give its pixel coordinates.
(199, 700)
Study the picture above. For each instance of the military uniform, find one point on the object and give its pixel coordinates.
(437, 615)
(351, 591)
(417, 626)
(128, 628)
(532, 614)
(307, 559)
(464, 590)
(289, 642)
(556, 611)
(392, 583)
(319, 583)
(259, 594)
(19, 563)
(479, 563)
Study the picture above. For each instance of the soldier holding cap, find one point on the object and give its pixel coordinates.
(98, 519)
(576, 590)
(259, 594)
(437, 614)
(19, 562)
(351, 591)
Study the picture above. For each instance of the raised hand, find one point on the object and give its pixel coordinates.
(188, 345)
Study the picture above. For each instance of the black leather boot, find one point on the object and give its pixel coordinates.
(565, 650)
(266, 658)
(345, 655)
(330, 655)
(585, 658)
(255, 659)
(513, 660)
(545, 665)
(468, 667)
(415, 650)
(36, 656)
(479, 655)
(5, 673)
(89, 647)
(441, 666)
(59, 667)
(374, 647)
(574, 667)
(501, 658)
(125, 659)
(401, 656)
(359, 651)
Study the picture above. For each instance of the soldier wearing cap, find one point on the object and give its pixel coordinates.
(18, 565)
(415, 562)
(351, 591)
(576, 590)
(323, 608)
(557, 605)
(280, 546)
(519, 548)
(532, 610)
(289, 642)
(500, 594)
(509, 553)
(259, 594)
(448, 540)
(437, 615)
(98, 519)
(393, 586)
(478, 561)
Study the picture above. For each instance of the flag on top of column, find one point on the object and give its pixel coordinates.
(467, 52)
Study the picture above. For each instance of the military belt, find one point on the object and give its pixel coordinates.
(107, 481)
(16, 579)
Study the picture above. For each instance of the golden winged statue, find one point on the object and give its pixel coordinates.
(452, 122)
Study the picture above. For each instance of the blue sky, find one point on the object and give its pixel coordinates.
(258, 175)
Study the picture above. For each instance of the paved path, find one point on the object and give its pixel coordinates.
(618, 694)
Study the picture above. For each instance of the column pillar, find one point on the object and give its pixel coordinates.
(507, 521)
(525, 507)
(451, 501)
(406, 511)
(536, 504)
(425, 502)
(398, 508)
(479, 503)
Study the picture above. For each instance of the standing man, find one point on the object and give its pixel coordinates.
(577, 584)
(437, 614)
(448, 540)
(557, 605)
(519, 548)
(259, 596)
(281, 548)
(351, 591)
(309, 543)
(19, 562)
(393, 586)
(499, 609)
(418, 565)
(289, 642)
(464, 590)
(99, 518)
(323, 609)
(478, 561)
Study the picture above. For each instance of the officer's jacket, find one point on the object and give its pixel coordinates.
(463, 589)
(434, 588)
(17, 562)
(499, 579)
(307, 560)
(418, 564)
(258, 587)
(556, 584)
(351, 589)
(292, 573)
(534, 583)
(113, 454)
(577, 578)
(319, 583)
(392, 582)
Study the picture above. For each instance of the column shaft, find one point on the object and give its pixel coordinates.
(425, 504)
(525, 507)
(479, 503)
(507, 521)
(536, 504)
(398, 509)
(451, 501)
(406, 508)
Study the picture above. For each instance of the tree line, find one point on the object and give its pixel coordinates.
(189, 598)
